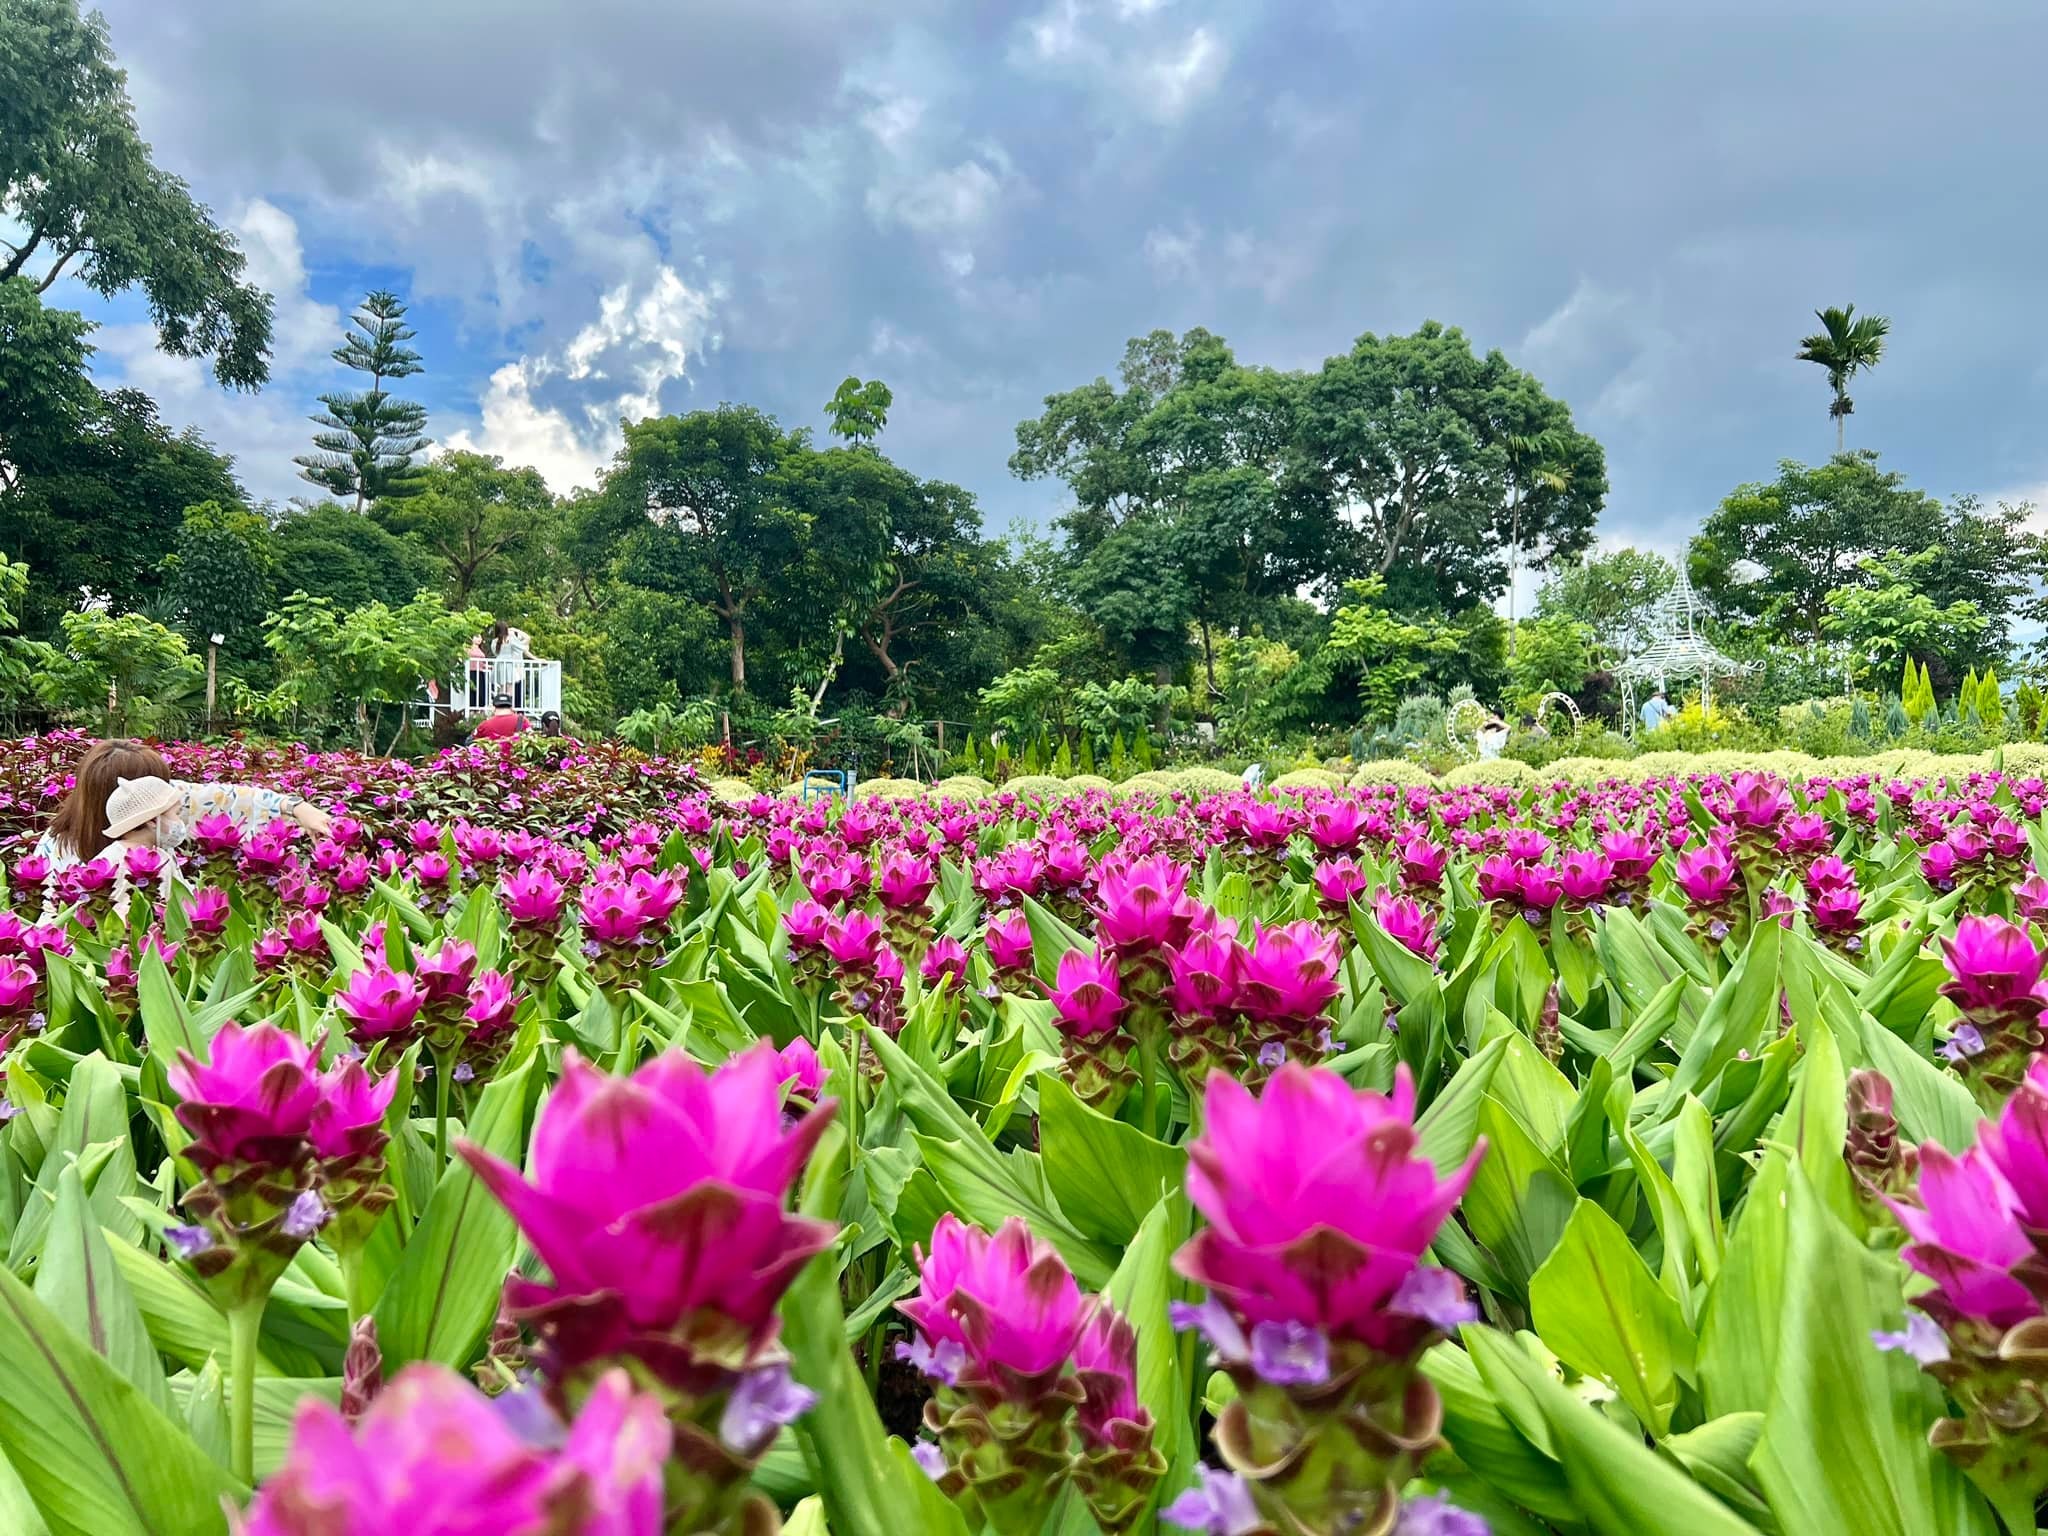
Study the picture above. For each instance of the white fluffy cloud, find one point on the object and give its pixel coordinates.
(559, 411)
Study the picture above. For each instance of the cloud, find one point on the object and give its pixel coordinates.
(1175, 79)
(1174, 254)
(559, 411)
(1128, 54)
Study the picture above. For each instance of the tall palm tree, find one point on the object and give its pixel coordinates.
(1845, 347)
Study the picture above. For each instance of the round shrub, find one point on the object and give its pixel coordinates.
(962, 786)
(1499, 772)
(1392, 771)
(887, 789)
(1309, 778)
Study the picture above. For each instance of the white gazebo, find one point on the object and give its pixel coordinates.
(508, 667)
(1677, 649)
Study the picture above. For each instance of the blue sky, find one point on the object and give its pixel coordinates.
(608, 207)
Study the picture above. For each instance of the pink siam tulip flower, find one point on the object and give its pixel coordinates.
(19, 985)
(613, 915)
(1525, 845)
(1757, 803)
(1837, 910)
(1706, 875)
(1966, 1236)
(1408, 923)
(659, 892)
(31, 871)
(2030, 898)
(1540, 889)
(1586, 877)
(380, 1003)
(946, 958)
(1008, 940)
(1267, 826)
(1008, 1301)
(1205, 974)
(491, 1005)
(1804, 836)
(1320, 1206)
(1632, 855)
(1086, 994)
(1829, 873)
(2016, 1144)
(216, 835)
(855, 941)
(444, 976)
(206, 910)
(534, 898)
(434, 1457)
(1290, 974)
(1336, 829)
(431, 869)
(1423, 864)
(1500, 880)
(1994, 972)
(304, 936)
(349, 1119)
(120, 969)
(1143, 907)
(424, 836)
(1338, 882)
(270, 951)
(800, 1070)
(252, 1102)
(657, 1202)
(1068, 866)
(1010, 875)
(907, 882)
(1939, 866)
(144, 865)
(806, 923)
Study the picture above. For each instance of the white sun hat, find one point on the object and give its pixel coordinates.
(137, 802)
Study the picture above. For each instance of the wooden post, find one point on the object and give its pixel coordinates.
(942, 743)
(212, 655)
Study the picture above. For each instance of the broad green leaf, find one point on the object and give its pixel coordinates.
(182, 1319)
(206, 1413)
(1744, 1007)
(1106, 1175)
(445, 1291)
(1932, 1105)
(1739, 1324)
(1598, 1306)
(91, 1451)
(1717, 1455)
(1519, 1199)
(1484, 1439)
(1666, 1208)
(1817, 1120)
(1141, 1289)
(1844, 1448)
(1051, 937)
(77, 1279)
(1540, 1096)
(18, 1513)
(1620, 1487)
(1445, 1132)
(1698, 1185)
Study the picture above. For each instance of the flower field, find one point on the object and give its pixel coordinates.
(561, 1148)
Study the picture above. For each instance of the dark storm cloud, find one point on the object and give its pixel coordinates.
(1643, 203)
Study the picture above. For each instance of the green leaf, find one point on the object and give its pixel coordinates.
(1598, 1306)
(1744, 1007)
(1932, 1105)
(1619, 1486)
(1445, 1132)
(1844, 1449)
(1051, 937)
(1739, 1325)
(91, 1451)
(1519, 1199)
(18, 1513)
(444, 1293)
(1717, 1455)
(1141, 1289)
(1484, 1439)
(182, 1320)
(77, 1279)
(1107, 1176)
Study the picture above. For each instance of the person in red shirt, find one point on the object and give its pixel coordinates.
(502, 723)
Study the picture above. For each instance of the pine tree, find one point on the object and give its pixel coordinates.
(368, 439)
(1146, 761)
(1119, 765)
(1087, 754)
(1063, 760)
(1990, 700)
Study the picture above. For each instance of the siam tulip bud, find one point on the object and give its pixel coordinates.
(1118, 1465)
(658, 1203)
(1206, 975)
(1873, 1151)
(1995, 981)
(2030, 898)
(433, 1457)
(1320, 1207)
(1091, 1014)
(803, 1075)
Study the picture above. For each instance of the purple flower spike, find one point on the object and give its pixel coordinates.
(1220, 1505)
(305, 1216)
(1436, 1296)
(936, 1362)
(1290, 1354)
(762, 1403)
(1921, 1340)
(1213, 1321)
(1435, 1515)
(188, 1242)
(526, 1413)
(929, 1458)
(1967, 1041)
(1272, 1053)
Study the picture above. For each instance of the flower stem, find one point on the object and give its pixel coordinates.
(245, 1327)
(1148, 1088)
(350, 1259)
(444, 1073)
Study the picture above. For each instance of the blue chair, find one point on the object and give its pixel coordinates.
(830, 780)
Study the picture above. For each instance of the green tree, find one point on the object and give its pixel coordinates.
(1372, 659)
(222, 573)
(368, 439)
(128, 670)
(370, 658)
(1554, 656)
(1429, 452)
(1614, 594)
(79, 193)
(859, 410)
(1887, 616)
(1772, 553)
(702, 509)
(328, 551)
(1845, 346)
(477, 517)
(21, 660)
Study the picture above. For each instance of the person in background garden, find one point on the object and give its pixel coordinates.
(78, 832)
(502, 723)
(551, 724)
(1656, 710)
(1493, 737)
